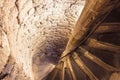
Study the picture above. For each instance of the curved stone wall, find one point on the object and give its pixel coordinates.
(36, 33)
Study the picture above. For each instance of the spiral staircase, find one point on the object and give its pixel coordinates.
(93, 51)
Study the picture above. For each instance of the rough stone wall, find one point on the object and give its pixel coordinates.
(34, 33)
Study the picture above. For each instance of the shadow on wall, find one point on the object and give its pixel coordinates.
(48, 56)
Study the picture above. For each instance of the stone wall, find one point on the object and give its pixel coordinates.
(35, 33)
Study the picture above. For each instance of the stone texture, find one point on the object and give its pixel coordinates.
(34, 33)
